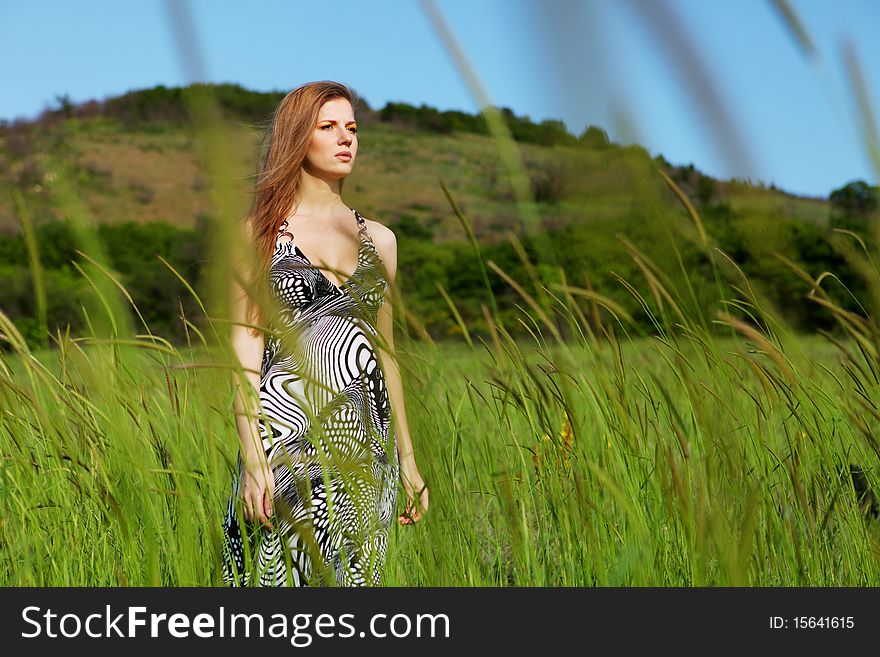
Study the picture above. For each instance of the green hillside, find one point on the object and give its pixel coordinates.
(147, 169)
(133, 160)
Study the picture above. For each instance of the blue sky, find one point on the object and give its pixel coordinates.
(790, 121)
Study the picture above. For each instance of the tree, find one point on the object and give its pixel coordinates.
(854, 205)
(594, 137)
(857, 198)
(705, 191)
(65, 105)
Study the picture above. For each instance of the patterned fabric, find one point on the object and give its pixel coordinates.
(326, 432)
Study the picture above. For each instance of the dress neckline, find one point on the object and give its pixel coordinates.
(363, 236)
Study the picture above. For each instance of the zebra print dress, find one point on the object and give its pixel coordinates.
(326, 432)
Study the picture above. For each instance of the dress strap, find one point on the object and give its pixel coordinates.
(362, 229)
(282, 230)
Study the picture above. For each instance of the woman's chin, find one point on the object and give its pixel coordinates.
(335, 175)
(333, 171)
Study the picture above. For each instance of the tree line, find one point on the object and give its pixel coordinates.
(587, 255)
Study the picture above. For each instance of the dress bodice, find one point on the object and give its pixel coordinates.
(300, 288)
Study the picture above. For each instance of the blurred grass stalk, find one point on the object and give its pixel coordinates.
(734, 495)
(683, 458)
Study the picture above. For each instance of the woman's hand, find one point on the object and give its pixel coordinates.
(258, 493)
(416, 493)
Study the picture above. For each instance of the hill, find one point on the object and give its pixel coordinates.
(136, 169)
(134, 160)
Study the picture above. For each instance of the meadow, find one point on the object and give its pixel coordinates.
(661, 423)
(679, 459)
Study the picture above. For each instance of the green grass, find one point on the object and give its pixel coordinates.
(716, 452)
(688, 466)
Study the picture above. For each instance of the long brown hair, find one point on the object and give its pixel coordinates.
(283, 151)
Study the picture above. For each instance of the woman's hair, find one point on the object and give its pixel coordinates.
(283, 151)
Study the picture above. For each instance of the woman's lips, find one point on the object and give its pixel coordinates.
(344, 156)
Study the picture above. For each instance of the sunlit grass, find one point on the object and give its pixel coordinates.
(719, 450)
(689, 462)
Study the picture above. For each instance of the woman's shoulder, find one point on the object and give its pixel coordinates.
(385, 242)
(381, 234)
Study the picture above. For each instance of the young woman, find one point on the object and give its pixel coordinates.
(315, 491)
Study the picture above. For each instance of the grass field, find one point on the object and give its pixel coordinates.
(689, 461)
(744, 455)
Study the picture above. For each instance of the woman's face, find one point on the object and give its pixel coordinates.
(335, 133)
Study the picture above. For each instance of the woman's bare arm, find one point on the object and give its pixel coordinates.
(412, 479)
(258, 485)
(385, 325)
(249, 351)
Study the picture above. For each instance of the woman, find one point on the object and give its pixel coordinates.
(312, 327)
